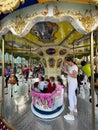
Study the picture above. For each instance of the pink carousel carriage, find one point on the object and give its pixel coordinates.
(48, 105)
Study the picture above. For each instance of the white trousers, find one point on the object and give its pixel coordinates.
(72, 86)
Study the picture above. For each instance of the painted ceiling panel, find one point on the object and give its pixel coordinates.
(74, 37)
(23, 42)
(64, 29)
(64, 37)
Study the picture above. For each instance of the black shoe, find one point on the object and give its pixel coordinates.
(90, 100)
(96, 105)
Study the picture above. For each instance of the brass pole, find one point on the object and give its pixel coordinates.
(96, 45)
(12, 56)
(96, 53)
(73, 52)
(30, 57)
(2, 107)
(92, 83)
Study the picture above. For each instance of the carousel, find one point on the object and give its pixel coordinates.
(48, 32)
(48, 105)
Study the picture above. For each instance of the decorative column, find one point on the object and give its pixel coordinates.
(52, 59)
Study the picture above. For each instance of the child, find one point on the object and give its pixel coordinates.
(36, 87)
(51, 85)
(43, 85)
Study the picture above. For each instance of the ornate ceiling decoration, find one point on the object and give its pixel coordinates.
(86, 1)
(69, 25)
(83, 17)
(7, 6)
(95, 2)
(64, 0)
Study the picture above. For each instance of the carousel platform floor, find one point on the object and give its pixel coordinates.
(18, 113)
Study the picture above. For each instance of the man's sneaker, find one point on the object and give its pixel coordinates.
(75, 110)
(69, 117)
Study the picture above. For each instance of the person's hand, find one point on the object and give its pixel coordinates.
(62, 69)
(65, 71)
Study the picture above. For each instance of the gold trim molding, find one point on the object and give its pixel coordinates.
(95, 2)
(83, 17)
(7, 6)
(85, 1)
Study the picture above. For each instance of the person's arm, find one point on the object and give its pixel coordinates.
(65, 68)
(73, 74)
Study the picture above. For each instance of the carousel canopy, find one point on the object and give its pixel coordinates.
(48, 28)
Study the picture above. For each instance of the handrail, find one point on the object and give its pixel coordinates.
(7, 124)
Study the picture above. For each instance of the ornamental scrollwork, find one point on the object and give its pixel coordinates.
(95, 2)
(18, 27)
(88, 20)
(7, 6)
